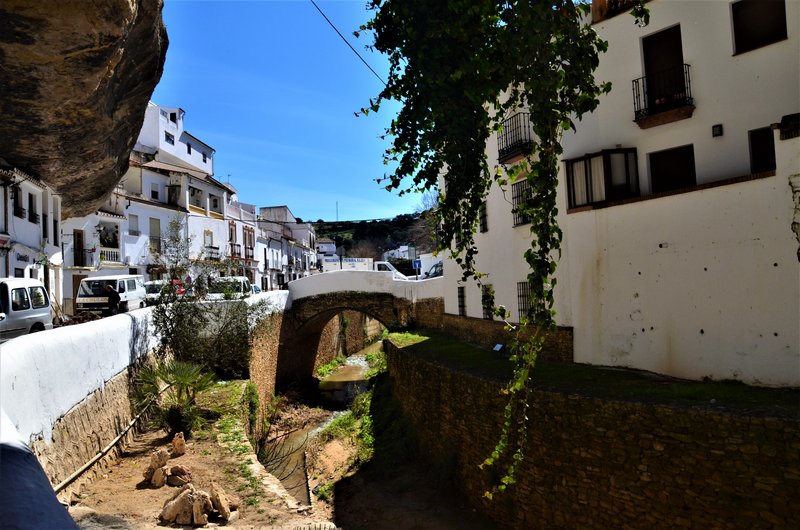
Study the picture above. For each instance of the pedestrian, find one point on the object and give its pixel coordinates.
(113, 300)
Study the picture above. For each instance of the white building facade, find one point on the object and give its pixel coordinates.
(30, 235)
(675, 199)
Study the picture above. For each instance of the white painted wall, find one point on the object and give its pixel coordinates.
(364, 281)
(44, 375)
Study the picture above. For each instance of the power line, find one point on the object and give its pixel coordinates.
(348, 43)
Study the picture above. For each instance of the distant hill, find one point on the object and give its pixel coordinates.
(370, 238)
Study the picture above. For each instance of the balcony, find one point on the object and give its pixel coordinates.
(19, 211)
(82, 257)
(516, 138)
(249, 253)
(110, 254)
(604, 9)
(33, 217)
(236, 250)
(211, 252)
(663, 97)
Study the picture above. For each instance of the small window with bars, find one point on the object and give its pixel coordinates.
(520, 195)
(484, 221)
(523, 299)
(462, 302)
(487, 302)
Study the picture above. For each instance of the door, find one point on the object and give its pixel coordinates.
(663, 69)
(77, 249)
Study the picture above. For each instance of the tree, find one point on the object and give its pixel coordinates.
(423, 232)
(459, 68)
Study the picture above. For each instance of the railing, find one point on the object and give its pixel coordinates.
(134, 232)
(211, 252)
(236, 250)
(155, 245)
(19, 211)
(662, 91)
(516, 138)
(603, 9)
(109, 254)
(82, 258)
(249, 253)
(33, 217)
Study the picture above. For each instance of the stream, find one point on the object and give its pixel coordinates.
(287, 456)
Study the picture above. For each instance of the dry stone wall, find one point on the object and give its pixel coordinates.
(601, 464)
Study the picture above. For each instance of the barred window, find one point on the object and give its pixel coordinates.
(487, 301)
(484, 222)
(462, 302)
(520, 195)
(523, 299)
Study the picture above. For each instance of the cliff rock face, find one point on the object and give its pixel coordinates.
(75, 79)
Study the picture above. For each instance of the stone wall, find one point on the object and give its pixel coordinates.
(83, 432)
(487, 333)
(601, 464)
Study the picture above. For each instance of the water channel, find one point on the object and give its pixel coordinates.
(287, 456)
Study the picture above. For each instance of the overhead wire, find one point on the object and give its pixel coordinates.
(348, 43)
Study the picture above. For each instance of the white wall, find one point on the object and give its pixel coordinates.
(44, 375)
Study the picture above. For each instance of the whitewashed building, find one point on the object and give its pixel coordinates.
(675, 199)
(30, 234)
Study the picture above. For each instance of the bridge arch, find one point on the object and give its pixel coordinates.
(315, 300)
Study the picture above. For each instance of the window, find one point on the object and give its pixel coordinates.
(188, 149)
(19, 273)
(762, 150)
(131, 285)
(33, 217)
(55, 232)
(672, 169)
(173, 117)
(133, 225)
(462, 302)
(487, 301)
(205, 156)
(45, 227)
(163, 113)
(611, 174)
(38, 297)
(523, 299)
(208, 238)
(757, 23)
(484, 222)
(133, 270)
(154, 191)
(19, 299)
(520, 195)
(169, 138)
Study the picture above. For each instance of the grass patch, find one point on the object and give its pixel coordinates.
(601, 382)
(329, 367)
(325, 492)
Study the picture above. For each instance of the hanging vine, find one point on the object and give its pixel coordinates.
(459, 68)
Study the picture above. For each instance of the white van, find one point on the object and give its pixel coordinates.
(92, 296)
(229, 287)
(24, 307)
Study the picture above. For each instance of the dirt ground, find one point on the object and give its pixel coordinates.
(120, 499)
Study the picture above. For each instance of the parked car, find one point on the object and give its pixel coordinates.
(435, 271)
(154, 290)
(24, 307)
(93, 298)
(229, 288)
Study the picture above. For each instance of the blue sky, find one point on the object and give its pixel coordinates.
(273, 89)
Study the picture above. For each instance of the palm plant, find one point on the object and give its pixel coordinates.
(173, 387)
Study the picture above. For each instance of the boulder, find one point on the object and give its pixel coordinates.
(159, 477)
(200, 507)
(219, 499)
(76, 77)
(178, 476)
(158, 459)
(180, 506)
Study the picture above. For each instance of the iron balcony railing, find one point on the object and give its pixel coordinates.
(236, 250)
(33, 217)
(82, 257)
(516, 138)
(212, 252)
(662, 91)
(19, 211)
(249, 253)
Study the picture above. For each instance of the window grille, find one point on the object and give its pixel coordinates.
(487, 302)
(484, 221)
(462, 302)
(523, 299)
(520, 195)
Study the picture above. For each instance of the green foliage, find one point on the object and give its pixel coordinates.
(173, 387)
(251, 401)
(459, 69)
(325, 492)
(333, 364)
(377, 364)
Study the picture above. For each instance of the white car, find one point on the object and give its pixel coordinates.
(24, 307)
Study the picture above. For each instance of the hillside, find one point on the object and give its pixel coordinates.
(370, 238)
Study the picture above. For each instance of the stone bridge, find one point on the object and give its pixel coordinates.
(315, 300)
